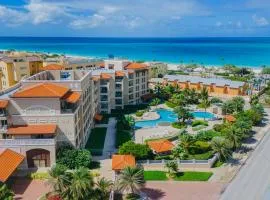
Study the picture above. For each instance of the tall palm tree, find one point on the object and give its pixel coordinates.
(130, 180)
(78, 184)
(103, 188)
(183, 114)
(221, 146)
(204, 93)
(5, 193)
(205, 103)
(172, 167)
(186, 141)
(238, 103)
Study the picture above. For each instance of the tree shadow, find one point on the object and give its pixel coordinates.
(153, 193)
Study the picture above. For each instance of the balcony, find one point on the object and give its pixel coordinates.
(26, 142)
(68, 108)
(3, 128)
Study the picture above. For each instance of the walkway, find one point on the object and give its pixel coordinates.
(170, 190)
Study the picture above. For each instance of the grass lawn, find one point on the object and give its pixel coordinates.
(155, 176)
(96, 140)
(193, 176)
(202, 156)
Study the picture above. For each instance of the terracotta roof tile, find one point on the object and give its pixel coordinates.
(119, 162)
(9, 161)
(105, 76)
(3, 103)
(39, 129)
(120, 73)
(72, 97)
(160, 146)
(95, 78)
(44, 90)
(54, 67)
(136, 66)
(229, 118)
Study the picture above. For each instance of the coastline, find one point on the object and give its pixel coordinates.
(171, 65)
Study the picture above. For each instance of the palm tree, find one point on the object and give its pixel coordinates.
(5, 193)
(172, 167)
(131, 179)
(103, 188)
(238, 103)
(234, 136)
(204, 93)
(221, 146)
(78, 184)
(155, 102)
(56, 177)
(205, 103)
(186, 141)
(183, 114)
(130, 120)
(179, 152)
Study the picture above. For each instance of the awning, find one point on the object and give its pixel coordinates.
(41, 129)
(98, 117)
(119, 162)
(3, 103)
(9, 161)
(72, 97)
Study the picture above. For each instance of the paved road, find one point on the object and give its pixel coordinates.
(253, 181)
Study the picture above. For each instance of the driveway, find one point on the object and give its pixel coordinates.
(171, 190)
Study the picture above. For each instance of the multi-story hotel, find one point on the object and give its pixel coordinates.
(57, 106)
(215, 86)
(13, 69)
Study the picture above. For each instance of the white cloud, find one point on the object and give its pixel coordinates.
(260, 21)
(88, 22)
(229, 24)
(12, 17)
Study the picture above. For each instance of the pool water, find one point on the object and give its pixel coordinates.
(169, 116)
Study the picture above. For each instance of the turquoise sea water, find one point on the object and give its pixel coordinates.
(208, 51)
(170, 116)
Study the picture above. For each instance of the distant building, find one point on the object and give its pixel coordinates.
(13, 69)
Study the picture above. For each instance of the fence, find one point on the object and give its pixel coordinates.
(182, 163)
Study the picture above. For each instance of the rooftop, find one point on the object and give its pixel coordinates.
(3, 103)
(205, 81)
(161, 146)
(135, 66)
(9, 161)
(43, 90)
(40, 129)
(119, 162)
(54, 67)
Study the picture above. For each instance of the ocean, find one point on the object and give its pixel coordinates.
(253, 52)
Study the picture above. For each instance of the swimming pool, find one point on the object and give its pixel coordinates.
(169, 116)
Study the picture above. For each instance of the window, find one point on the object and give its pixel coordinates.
(118, 86)
(137, 88)
(130, 76)
(104, 106)
(118, 94)
(111, 66)
(137, 81)
(137, 74)
(130, 83)
(103, 97)
(143, 73)
(104, 90)
(130, 96)
(137, 95)
(118, 101)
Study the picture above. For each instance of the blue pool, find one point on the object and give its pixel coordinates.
(170, 116)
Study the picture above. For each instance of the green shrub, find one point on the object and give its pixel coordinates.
(139, 151)
(139, 113)
(199, 122)
(199, 127)
(178, 125)
(74, 158)
(216, 100)
(165, 157)
(170, 104)
(219, 127)
(38, 175)
(204, 146)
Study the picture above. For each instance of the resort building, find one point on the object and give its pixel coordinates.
(120, 162)
(54, 107)
(215, 86)
(13, 69)
(161, 147)
(74, 63)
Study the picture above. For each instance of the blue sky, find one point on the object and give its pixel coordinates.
(135, 18)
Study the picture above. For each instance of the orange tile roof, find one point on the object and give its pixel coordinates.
(105, 76)
(136, 66)
(229, 118)
(39, 129)
(3, 103)
(98, 117)
(72, 97)
(44, 90)
(102, 65)
(9, 161)
(120, 73)
(54, 67)
(95, 78)
(160, 146)
(119, 162)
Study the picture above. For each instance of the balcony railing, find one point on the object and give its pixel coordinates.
(26, 142)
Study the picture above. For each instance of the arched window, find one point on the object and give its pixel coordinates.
(38, 158)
